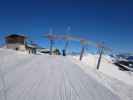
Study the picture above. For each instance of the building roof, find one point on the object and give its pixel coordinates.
(15, 35)
(32, 45)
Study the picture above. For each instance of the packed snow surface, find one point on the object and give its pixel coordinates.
(43, 77)
(107, 68)
(118, 81)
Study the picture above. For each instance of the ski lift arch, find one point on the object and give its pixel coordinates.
(83, 42)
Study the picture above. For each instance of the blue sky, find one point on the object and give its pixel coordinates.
(110, 21)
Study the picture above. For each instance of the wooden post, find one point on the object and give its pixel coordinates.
(99, 59)
(82, 52)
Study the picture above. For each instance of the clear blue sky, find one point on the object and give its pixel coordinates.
(110, 21)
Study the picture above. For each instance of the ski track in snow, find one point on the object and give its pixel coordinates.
(44, 77)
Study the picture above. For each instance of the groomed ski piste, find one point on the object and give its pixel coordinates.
(45, 77)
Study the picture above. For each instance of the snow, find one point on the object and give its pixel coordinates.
(107, 68)
(119, 82)
(44, 77)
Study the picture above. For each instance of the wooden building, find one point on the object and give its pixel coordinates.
(19, 42)
(16, 42)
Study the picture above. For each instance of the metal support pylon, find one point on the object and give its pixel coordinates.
(82, 52)
(100, 57)
(51, 46)
(65, 48)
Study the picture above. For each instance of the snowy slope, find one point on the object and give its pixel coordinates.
(109, 75)
(40, 77)
(107, 68)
